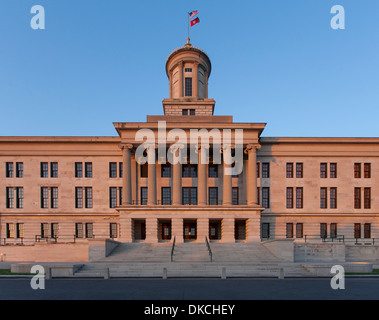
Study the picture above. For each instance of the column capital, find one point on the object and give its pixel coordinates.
(252, 146)
(125, 146)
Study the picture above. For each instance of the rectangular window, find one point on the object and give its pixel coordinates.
(357, 230)
(299, 198)
(44, 197)
(9, 198)
(120, 169)
(184, 112)
(44, 170)
(289, 170)
(299, 170)
(89, 230)
(212, 170)
(367, 230)
(367, 170)
(79, 230)
(367, 198)
(189, 170)
(289, 230)
(113, 230)
(333, 198)
(19, 169)
(20, 230)
(357, 198)
(78, 197)
(265, 170)
(323, 198)
(166, 170)
(54, 230)
(88, 169)
(112, 170)
(144, 170)
(333, 170)
(54, 197)
(258, 195)
(323, 170)
(258, 169)
(78, 170)
(188, 87)
(213, 195)
(120, 195)
(44, 230)
(333, 230)
(266, 197)
(19, 197)
(289, 198)
(188, 70)
(265, 230)
(299, 230)
(357, 170)
(166, 195)
(192, 112)
(10, 230)
(235, 197)
(9, 170)
(89, 197)
(144, 195)
(189, 196)
(54, 169)
(323, 230)
(112, 197)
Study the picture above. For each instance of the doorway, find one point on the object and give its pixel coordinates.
(164, 230)
(240, 230)
(189, 230)
(215, 229)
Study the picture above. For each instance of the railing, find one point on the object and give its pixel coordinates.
(317, 238)
(58, 239)
(209, 248)
(172, 249)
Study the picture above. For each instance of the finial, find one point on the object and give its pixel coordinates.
(188, 44)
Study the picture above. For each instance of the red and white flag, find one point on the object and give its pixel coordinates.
(193, 13)
(193, 22)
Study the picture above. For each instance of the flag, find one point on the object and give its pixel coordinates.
(193, 22)
(193, 13)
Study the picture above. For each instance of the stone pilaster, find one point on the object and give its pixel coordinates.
(202, 229)
(227, 176)
(127, 174)
(251, 181)
(126, 229)
(227, 229)
(151, 177)
(253, 228)
(177, 229)
(202, 175)
(152, 230)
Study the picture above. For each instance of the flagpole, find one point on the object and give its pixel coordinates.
(188, 24)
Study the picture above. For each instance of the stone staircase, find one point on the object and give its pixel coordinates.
(191, 252)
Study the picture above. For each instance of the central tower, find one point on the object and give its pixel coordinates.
(188, 69)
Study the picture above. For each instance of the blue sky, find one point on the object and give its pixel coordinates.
(273, 61)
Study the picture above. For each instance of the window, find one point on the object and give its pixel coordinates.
(54, 230)
(189, 170)
(166, 195)
(333, 230)
(289, 230)
(265, 230)
(289, 170)
(184, 112)
(54, 169)
(44, 170)
(9, 170)
(357, 198)
(44, 197)
(19, 169)
(88, 199)
(323, 198)
(289, 198)
(258, 169)
(113, 230)
(299, 230)
(333, 198)
(235, 200)
(112, 170)
(78, 197)
(266, 197)
(299, 170)
(299, 198)
(258, 195)
(367, 198)
(367, 170)
(54, 197)
(10, 230)
(144, 170)
(189, 196)
(213, 195)
(192, 112)
(166, 170)
(188, 87)
(20, 230)
(112, 197)
(188, 70)
(9, 198)
(120, 195)
(357, 170)
(212, 170)
(333, 170)
(120, 169)
(88, 169)
(367, 230)
(19, 197)
(323, 230)
(144, 195)
(323, 170)
(357, 230)
(78, 170)
(78, 230)
(89, 230)
(265, 170)
(44, 230)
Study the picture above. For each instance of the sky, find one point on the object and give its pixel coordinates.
(273, 61)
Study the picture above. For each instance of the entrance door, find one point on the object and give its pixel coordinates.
(143, 231)
(189, 231)
(166, 231)
(213, 231)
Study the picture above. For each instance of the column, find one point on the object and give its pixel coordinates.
(151, 230)
(202, 229)
(181, 89)
(177, 230)
(202, 175)
(126, 230)
(195, 73)
(253, 228)
(151, 177)
(227, 176)
(176, 175)
(127, 174)
(206, 85)
(227, 230)
(251, 181)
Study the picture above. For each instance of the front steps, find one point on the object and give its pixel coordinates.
(191, 252)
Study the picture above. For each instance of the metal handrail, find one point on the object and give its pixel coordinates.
(172, 249)
(209, 248)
